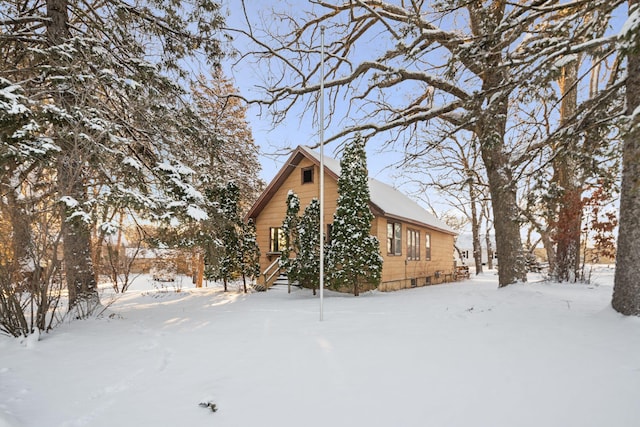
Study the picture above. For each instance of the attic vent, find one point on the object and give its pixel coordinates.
(307, 175)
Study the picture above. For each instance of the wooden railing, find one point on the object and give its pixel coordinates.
(271, 273)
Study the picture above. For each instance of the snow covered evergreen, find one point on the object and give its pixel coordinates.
(249, 253)
(290, 240)
(230, 261)
(308, 259)
(106, 90)
(354, 255)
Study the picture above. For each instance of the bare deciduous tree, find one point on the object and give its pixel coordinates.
(463, 72)
(454, 168)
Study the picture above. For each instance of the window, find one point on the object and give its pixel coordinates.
(427, 245)
(307, 175)
(276, 239)
(394, 238)
(413, 245)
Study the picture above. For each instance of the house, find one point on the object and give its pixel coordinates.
(417, 247)
(464, 252)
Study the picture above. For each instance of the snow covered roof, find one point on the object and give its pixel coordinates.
(385, 200)
(465, 240)
(396, 204)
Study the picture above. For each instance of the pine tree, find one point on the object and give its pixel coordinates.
(230, 260)
(249, 253)
(308, 259)
(104, 83)
(17, 127)
(289, 232)
(26, 294)
(354, 255)
(224, 150)
(227, 151)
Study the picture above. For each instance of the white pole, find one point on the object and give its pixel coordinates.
(321, 120)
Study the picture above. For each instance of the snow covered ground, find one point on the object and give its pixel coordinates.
(463, 354)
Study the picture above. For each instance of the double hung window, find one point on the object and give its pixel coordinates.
(394, 238)
(413, 245)
(277, 240)
(427, 246)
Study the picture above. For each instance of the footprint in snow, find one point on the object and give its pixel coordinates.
(165, 359)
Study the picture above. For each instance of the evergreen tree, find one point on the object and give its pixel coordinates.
(103, 81)
(230, 259)
(228, 150)
(27, 291)
(17, 145)
(308, 259)
(291, 242)
(224, 150)
(354, 255)
(249, 253)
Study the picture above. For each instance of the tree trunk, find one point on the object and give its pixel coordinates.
(490, 128)
(488, 242)
(200, 277)
(475, 230)
(547, 243)
(567, 234)
(626, 289)
(22, 243)
(567, 227)
(58, 21)
(512, 266)
(76, 233)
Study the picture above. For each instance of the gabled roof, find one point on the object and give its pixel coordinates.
(386, 201)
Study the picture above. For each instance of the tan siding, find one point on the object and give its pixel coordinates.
(397, 271)
(274, 212)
